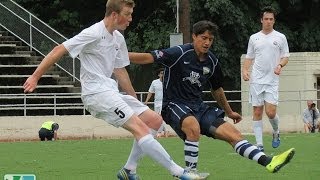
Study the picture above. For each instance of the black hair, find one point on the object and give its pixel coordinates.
(203, 26)
(159, 70)
(268, 9)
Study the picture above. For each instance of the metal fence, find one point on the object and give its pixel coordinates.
(52, 103)
(39, 36)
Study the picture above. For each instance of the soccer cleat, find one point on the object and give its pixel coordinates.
(276, 140)
(193, 175)
(260, 147)
(124, 174)
(280, 160)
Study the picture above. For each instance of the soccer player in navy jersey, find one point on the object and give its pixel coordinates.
(188, 68)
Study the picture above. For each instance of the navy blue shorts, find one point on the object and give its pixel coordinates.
(208, 117)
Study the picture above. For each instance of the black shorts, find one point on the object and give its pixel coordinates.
(45, 134)
(208, 117)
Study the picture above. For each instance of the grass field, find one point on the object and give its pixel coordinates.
(101, 159)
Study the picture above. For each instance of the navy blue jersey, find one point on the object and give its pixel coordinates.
(185, 75)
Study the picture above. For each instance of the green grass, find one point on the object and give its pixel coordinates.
(101, 159)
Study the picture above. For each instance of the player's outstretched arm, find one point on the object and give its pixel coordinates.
(141, 58)
(31, 83)
(221, 99)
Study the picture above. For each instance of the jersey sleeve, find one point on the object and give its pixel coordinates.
(250, 50)
(152, 88)
(76, 44)
(167, 57)
(285, 47)
(122, 57)
(215, 81)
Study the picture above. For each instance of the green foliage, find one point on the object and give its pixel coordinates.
(154, 20)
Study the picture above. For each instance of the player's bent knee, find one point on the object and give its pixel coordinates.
(152, 119)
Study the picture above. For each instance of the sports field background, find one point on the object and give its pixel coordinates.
(25, 128)
(101, 159)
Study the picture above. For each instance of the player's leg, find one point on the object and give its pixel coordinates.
(110, 107)
(271, 102)
(154, 149)
(258, 126)
(152, 120)
(230, 134)
(213, 125)
(184, 123)
(191, 128)
(256, 98)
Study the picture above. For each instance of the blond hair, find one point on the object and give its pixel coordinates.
(117, 5)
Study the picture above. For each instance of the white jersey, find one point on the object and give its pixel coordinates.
(266, 50)
(156, 87)
(100, 52)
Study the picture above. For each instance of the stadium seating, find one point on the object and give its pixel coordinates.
(17, 63)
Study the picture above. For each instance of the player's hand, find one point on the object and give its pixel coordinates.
(30, 84)
(245, 75)
(277, 70)
(235, 117)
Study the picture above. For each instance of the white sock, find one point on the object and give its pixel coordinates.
(275, 123)
(257, 129)
(135, 154)
(154, 149)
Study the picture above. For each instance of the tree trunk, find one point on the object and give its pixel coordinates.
(184, 19)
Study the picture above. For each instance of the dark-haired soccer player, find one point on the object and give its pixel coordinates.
(268, 53)
(188, 68)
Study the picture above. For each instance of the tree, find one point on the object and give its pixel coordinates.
(154, 20)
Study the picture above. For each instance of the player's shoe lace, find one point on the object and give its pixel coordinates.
(280, 160)
(276, 140)
(124, 174)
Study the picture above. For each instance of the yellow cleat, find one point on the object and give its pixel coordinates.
(280, 160)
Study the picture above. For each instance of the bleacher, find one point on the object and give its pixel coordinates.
(56, 93)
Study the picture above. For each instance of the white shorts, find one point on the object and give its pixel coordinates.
(157, 106)
(261, 93)
(113, 107)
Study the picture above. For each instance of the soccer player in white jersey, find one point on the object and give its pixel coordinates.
(103, 52)
(268, 51)
(156, 88)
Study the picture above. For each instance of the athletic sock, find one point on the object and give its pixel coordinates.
(135, 154)
(154, 149)
(245, 149)
(191, 154)
(257, 129)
